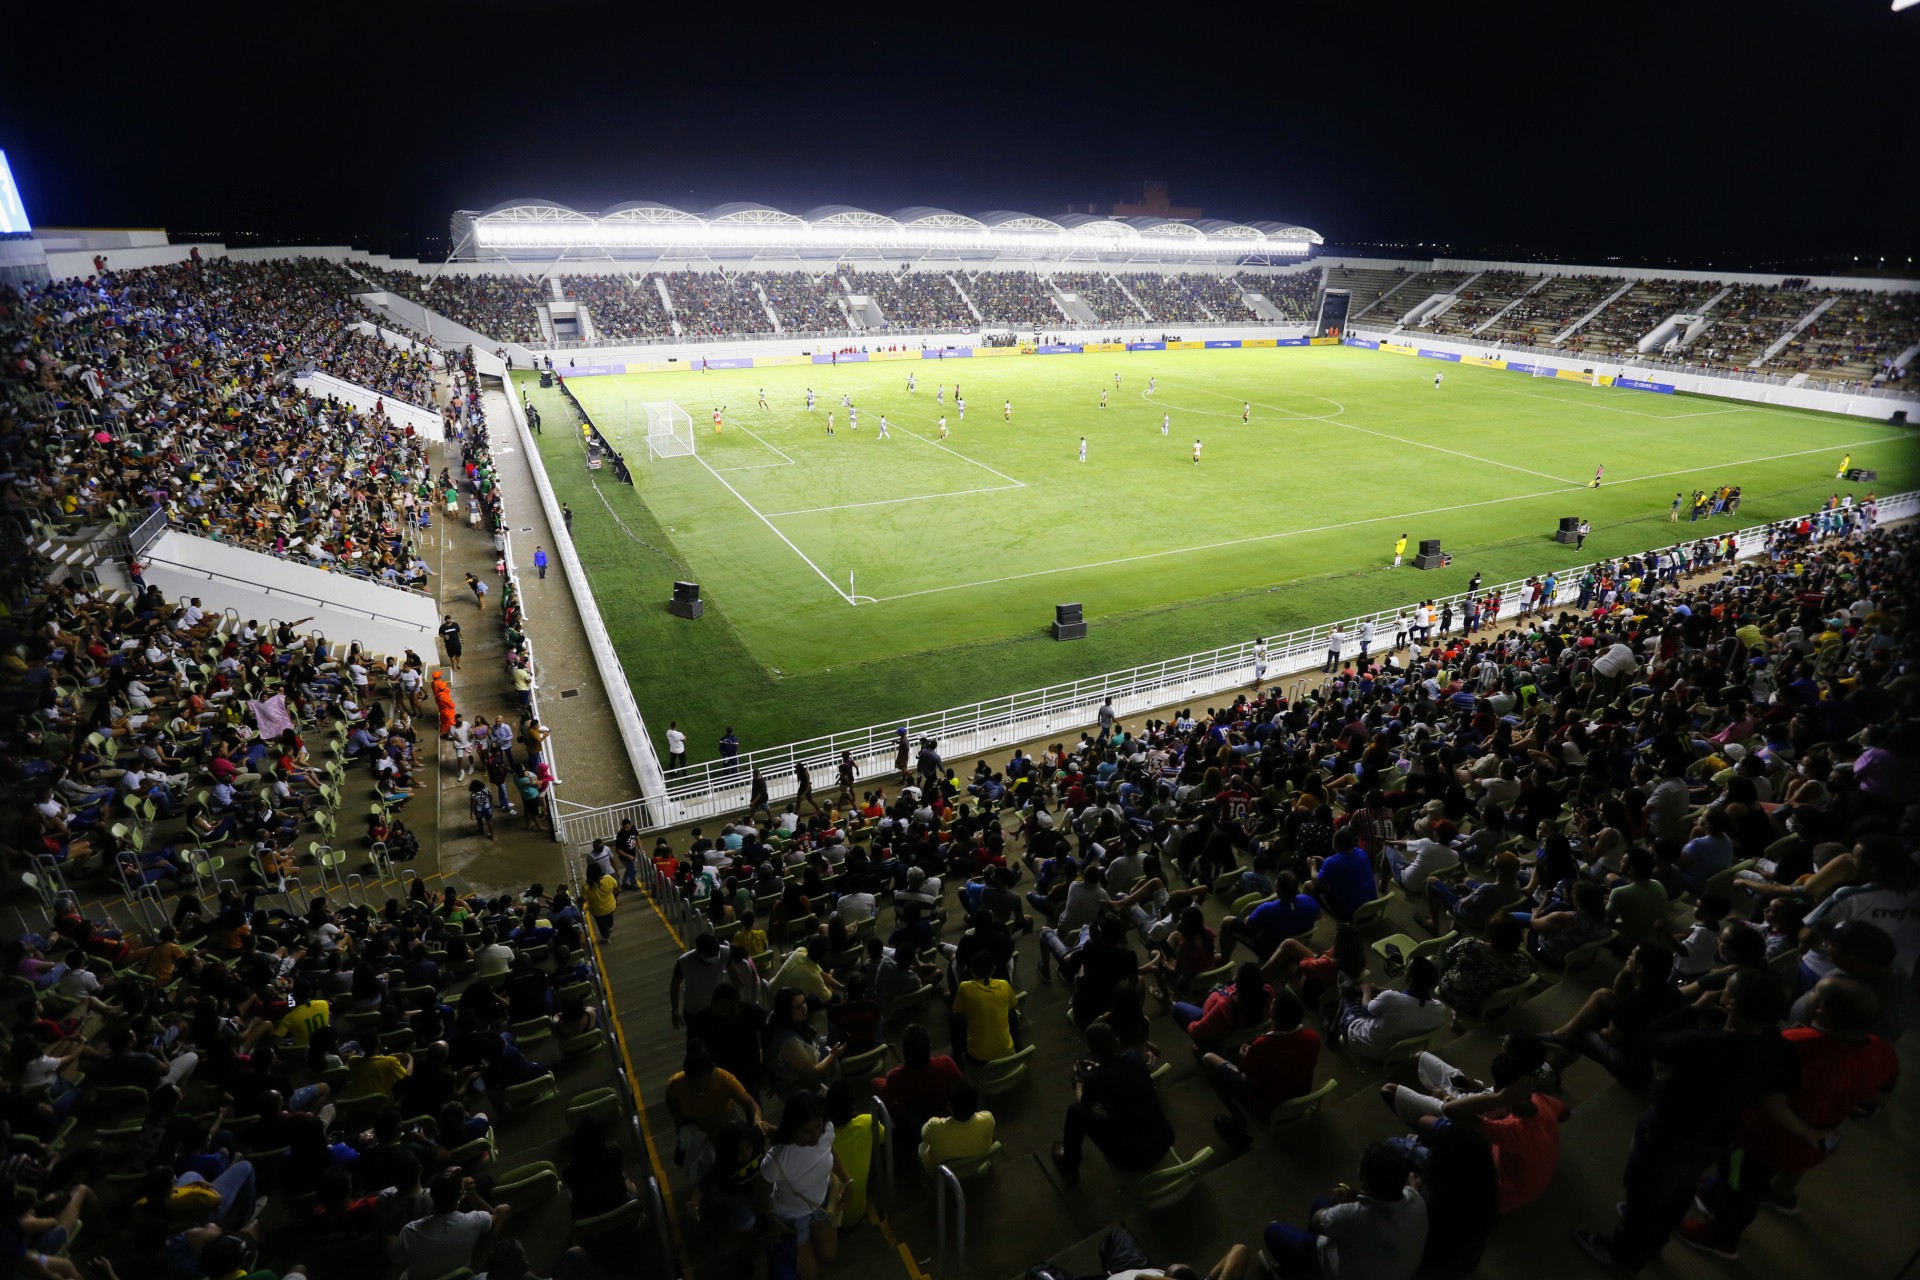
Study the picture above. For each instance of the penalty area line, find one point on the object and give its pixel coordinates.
(776, 532)
(886, 502)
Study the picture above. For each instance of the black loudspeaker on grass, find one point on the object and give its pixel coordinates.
(686, 602)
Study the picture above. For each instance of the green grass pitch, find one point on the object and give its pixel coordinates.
(958, 550)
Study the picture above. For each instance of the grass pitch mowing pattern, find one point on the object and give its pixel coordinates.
(966, 545)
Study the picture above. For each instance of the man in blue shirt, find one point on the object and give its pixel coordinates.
(1344, 880)
(1289, 915)
(540, 561)
(1709, 851)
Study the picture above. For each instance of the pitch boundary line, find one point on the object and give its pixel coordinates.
(1018, 484)
(884, 502)
(1491, 462)
(776, 448)
(1336, 419)
(1776, 457)
(1328, 528)
(776, 532)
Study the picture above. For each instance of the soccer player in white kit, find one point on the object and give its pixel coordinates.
(883, 428)
(1246, 411)
(1006, 412)
(1116, 382)
(1103, 397)
(940, 394)
(1083, 448)
(961, 405)
(829, 422)
(1196, 453)
(1151, 384)
(763, 397)
(853, 418)
(1436, 381)
(809, 399)
(1166, 423)
(909, 383)
(943, 426)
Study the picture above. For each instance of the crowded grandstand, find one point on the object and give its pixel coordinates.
(1397, 959)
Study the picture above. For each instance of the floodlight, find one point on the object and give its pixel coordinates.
(13, 214)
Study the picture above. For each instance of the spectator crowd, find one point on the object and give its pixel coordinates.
(1689, 770)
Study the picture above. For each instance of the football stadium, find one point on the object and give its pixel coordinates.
(925, 642)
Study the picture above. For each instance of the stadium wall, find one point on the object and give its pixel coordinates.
(423, 421)
(255, 585)
(641, 755)
(665, 357)
(1637, 377)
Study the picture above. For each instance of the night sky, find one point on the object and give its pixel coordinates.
(1711, 134)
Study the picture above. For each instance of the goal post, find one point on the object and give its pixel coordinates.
(669, 430)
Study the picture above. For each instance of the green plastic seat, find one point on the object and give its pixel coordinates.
(527, 1186)
(1169, 1184)
(1411, 950)
(1002, 1075)
(967, 1168)
(1721, 882)
(1304, 1107)
(902, 1007)
(602, 1104)
(1217, 976)
(358, 1111)
(531, 1030)
(1503, 1000)
(481, 1149)
(1404, 1050)
(1369, 912)
(863, 1065)
(529, 1093)
(584, 1043)
(602, 1225)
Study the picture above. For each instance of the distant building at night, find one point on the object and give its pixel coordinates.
(1152, 203)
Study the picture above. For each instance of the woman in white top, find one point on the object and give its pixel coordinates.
(800, 1172)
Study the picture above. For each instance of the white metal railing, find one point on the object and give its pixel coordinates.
(710, 788)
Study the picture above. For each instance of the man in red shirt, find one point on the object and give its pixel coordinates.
(1519, 1122)
(1842, 1066)
(1275, 1067)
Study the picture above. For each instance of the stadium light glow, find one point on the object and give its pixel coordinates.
(550, 227)
(13, 213)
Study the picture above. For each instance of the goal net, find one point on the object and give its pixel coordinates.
(669, 430)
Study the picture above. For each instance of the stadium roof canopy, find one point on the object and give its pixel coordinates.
(645, 228)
